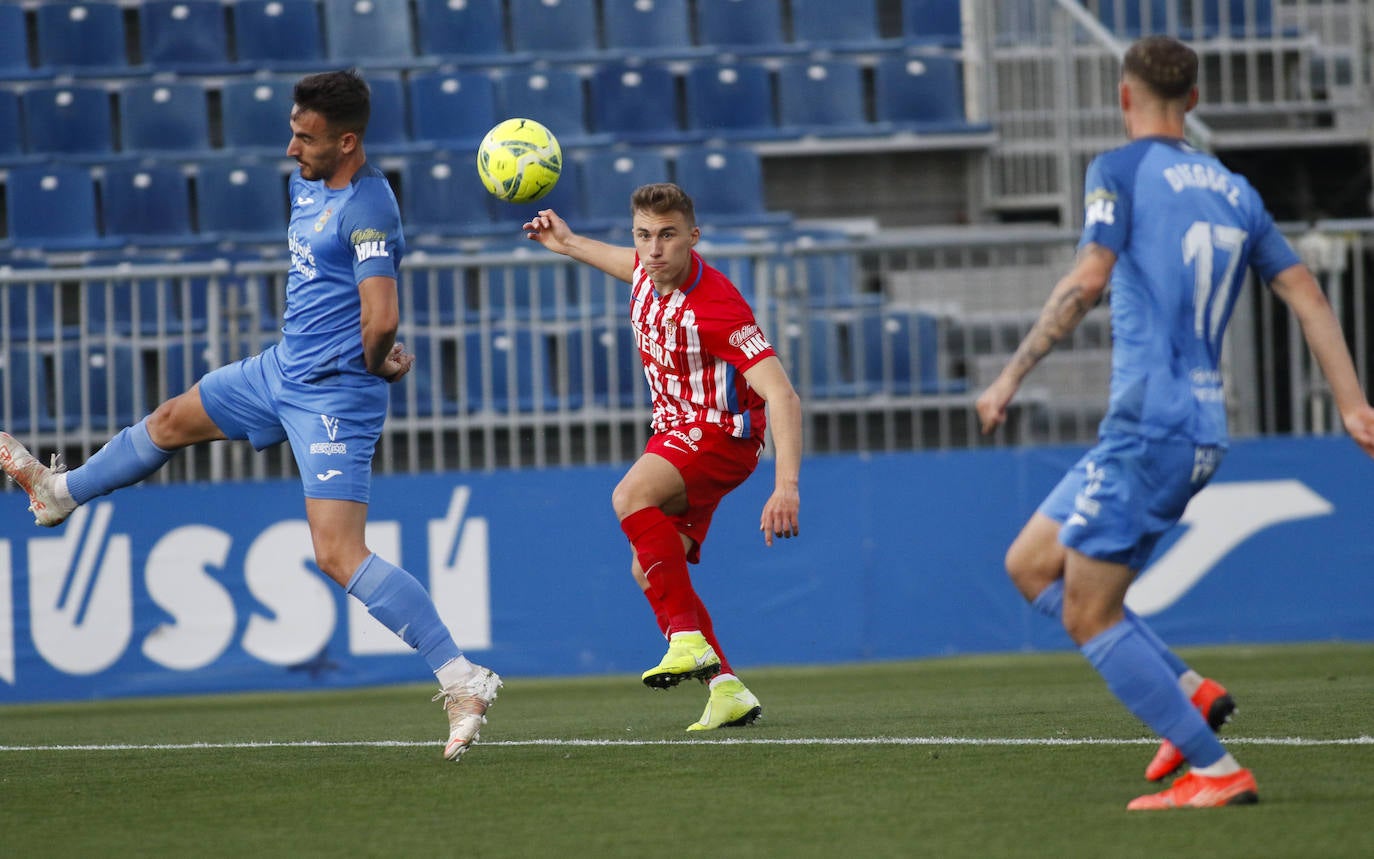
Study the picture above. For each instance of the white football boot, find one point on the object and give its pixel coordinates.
(49, 500)
(467, 705)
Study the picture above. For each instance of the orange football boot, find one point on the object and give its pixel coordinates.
(1199, 791)
(1216, 706)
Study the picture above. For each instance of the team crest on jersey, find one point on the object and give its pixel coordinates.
(669, 326)
(324, 216)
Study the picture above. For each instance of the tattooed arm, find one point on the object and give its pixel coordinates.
(1078, 292)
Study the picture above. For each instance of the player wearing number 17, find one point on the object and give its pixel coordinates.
(1173, 232)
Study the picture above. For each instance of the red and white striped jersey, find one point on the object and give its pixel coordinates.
(696, 342)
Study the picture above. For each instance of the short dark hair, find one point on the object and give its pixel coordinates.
(1165, 65)
(342, 98)
(662, 198)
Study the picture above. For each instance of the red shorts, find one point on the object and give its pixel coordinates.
(712, 462)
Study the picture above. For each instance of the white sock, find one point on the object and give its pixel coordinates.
(1189, 681)
(1225, 766)
(721, 678)
(455, 672)
(681, 632)
(60, 491)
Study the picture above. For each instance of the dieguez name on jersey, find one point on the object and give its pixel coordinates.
(749, 340)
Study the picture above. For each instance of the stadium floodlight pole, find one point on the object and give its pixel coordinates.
(1199, 134)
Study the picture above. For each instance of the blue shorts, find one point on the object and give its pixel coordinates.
(333, 423)
(1125, 493)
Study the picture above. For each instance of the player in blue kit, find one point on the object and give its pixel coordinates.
(323, 388)
(1172, 231)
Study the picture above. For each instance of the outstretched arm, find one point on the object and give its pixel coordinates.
(779, 518)
(1322, 331)
(1076, 293)
(553, 232)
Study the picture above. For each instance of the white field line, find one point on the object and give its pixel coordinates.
(733, 741)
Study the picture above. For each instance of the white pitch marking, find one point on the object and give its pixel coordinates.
(730, 741)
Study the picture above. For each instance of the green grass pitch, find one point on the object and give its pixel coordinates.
(969, 756)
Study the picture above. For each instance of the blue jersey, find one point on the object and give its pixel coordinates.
(1184, 229)
(337, 238)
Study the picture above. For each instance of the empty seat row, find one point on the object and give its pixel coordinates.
(65, 206)
(214, 35)
(619, 102)
(1190, 19)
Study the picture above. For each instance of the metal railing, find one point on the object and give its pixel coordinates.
(526, 361)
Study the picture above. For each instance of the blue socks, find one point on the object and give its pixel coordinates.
(403, 606)
(124, 460)
(1143, 681)
(1050, 603)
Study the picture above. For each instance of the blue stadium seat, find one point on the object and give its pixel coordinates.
(1131, 19)
(278, 34)
(146, 204)
(53, 207)
(566, 28)
(523, 291)
(617, 370)
(82, 37)
(566, 198)
(98, 386)
(732, 101)
(372, 32)
(815, 364)
(24, 399)
(241, 201)
(515, 359)
(122, 305)
(69, 121)
(741, 26)
(388, 131)
(660, 28)
(30, 306)
(430, 296)
(726, 184)
(445, 197)
(822, 97)
(636, 103)
(184, 35)
(14, 44)
(164, 117)
(921, 92)
(615, 175)
(899, 354)
(553, 97)
(934, 22)
(470, 31)
(255, 114)
(11, 132)
(452, 109)
(826, 24)
(431, 386)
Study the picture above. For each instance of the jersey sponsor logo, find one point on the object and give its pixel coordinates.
(669, 444)
(328, 448)
(689, 438)
(302, 255)
(1099, 208)
(329, 475)
(749, 340)
(655, 351)
(303, 200)
(369, 250)
(331, 426)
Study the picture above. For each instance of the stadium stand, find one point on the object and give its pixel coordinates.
(468, 32)
(658, 28)
(14, 44)
(388, 131)
(444, 196)
(26, 398)
(553, 97)
(189, 36)
(97, 386)
(732, 101)
(164, 117)
(375, 33)
(452, 110)
(254, 114)
(742, 26)
(53, 207)
(726, 183)
(82, 38)
(921, 92)
(612, 176)
(932, 21)
(71, 121)
(12, 149)
(822, 97)
(827, 25)
(146, 204)
(279, 35)
(636, 103)
(554, 29)
(240, 201)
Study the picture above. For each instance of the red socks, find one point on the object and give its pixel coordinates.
(659, 550)
(704, 617)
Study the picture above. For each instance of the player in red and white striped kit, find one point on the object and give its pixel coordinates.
(715, 381)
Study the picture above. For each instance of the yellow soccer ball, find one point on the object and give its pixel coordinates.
(519, 160)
